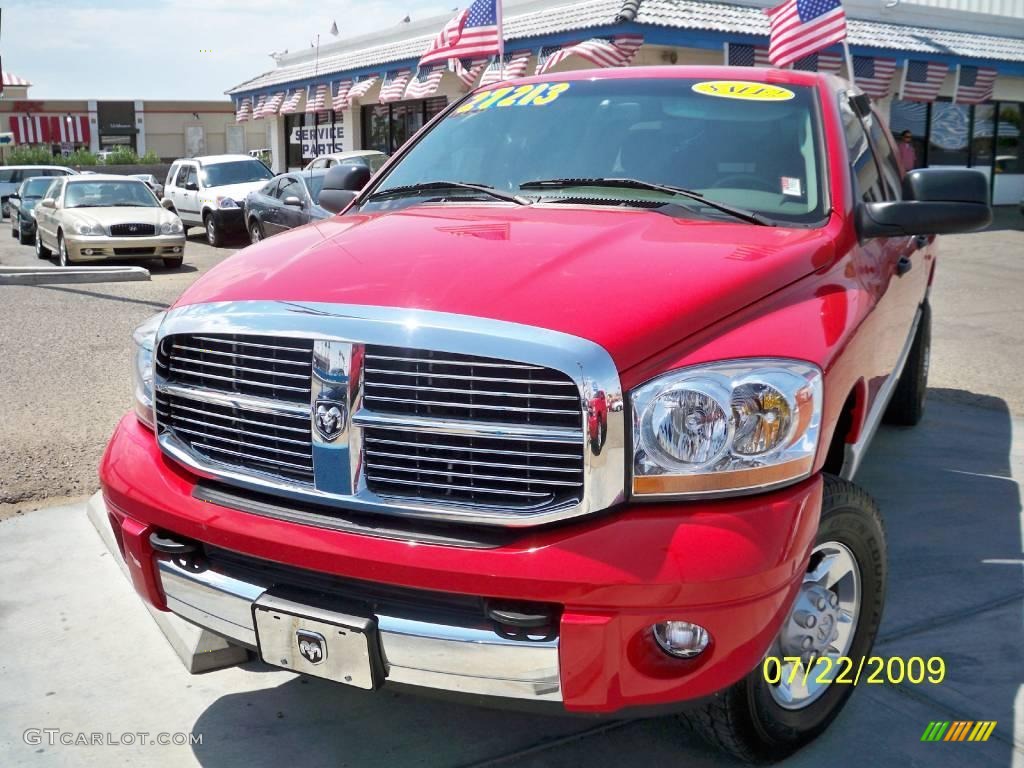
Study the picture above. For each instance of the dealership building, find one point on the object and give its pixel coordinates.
(365, 92)
(170, 129)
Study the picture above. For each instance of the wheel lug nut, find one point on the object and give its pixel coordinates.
(820, 605)
(808, 641)
(833, 599)
(805, 619)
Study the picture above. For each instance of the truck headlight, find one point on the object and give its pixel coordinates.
(730, 427)
(226, 202)
(142, 369)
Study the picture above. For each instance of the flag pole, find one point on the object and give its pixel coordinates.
(501, 42)
(956, 82)
(849, 62)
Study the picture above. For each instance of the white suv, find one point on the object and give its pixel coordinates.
(208, 192)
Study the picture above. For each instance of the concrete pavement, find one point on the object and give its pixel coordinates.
(82, 655)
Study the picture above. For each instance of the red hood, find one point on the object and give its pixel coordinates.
(632, 280)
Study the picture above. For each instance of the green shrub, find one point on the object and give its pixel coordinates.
(150, 158)
(122, 156)
(42, 156)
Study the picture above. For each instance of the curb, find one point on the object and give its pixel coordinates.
(57, 275)
(199, 650)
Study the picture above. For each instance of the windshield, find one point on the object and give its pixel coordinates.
(107, 194)
(748, 145)
(234, 172)
(35, 187)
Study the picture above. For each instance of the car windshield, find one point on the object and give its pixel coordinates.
(108, 194)
(234, 172)
(747, 145)
(34, 188)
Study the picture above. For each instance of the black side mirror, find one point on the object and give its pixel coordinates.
(341, 185)
(936, 201)
(191, 186)
(14, 196)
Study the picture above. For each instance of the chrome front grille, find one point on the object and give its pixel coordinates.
(393, 411)
(246, 376)
(493, 470)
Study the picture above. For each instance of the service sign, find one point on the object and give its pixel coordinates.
(319, 140)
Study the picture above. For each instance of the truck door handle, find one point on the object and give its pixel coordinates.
(903, 266)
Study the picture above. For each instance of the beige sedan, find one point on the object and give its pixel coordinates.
(93, 217)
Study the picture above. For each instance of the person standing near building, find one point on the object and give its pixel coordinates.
(906, 153)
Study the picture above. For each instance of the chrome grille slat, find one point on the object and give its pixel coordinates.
(442, 361)
(190, 409)
(265, 385)
(180, 359)
(495, 465)
(257, 345)
(233, 400)
(240, 431)
(498, 380)
(257, 459)
(417, 401)
(377, 466)
(453, 487)
(208, 351)
(500, 451)
(231, 440)
(478, 392)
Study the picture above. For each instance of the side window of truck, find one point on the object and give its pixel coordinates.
(182, 173)
(886, 157)
(867, 178)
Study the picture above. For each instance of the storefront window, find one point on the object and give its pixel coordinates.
(982, 135)
(1008, 144)
(310, 135)
(911, 116)
(386, 127)
(949, 134)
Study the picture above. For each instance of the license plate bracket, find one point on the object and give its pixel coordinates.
(320, 640)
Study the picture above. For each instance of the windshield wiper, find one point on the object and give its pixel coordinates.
(739, 213)
(411, 189)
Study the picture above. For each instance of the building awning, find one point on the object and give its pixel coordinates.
(11, 79)
(695, 18)
(50, 129)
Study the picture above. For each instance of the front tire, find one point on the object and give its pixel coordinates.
(255, 231)
(906, 407)
(758, 722)
(42, 252)
(62, 251)
(214, 236)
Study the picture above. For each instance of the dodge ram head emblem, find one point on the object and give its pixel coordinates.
(330, 418)
(312, 646)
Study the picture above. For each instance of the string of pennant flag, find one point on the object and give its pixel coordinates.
(471, 46)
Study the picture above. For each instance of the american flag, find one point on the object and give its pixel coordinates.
(873, 75)
(922, 80)
(468, 70)
(244, 111)
(800, 27)
(515, 66)
(820, 62)
(273, 105)
(744, 55)
(316, 99)
(474, 32)
(257, 111)
(974, 84)
(393, 87)
(615, 52)
(359, 88)
(291, 104)
(425, 82)
(340, 95)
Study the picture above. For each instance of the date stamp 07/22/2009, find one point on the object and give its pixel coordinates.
(841, 670)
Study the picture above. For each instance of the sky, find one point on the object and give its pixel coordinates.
(174, 49)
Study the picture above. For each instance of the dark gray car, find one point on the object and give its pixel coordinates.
(285, 202)
(21, 204)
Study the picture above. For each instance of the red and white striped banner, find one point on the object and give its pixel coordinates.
(425, 82)
(244, 111)
(257, 111)
(874, 75)
(514, 66)
(318, 102)
(291, 104)
(273, 105)
(393, 87)
(468, 70)
(50, 129)
(619, 51)
(340, 94)
(359, 88)
(922, 80)
(974, 85)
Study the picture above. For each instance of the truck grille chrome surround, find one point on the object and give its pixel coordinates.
(392, 411)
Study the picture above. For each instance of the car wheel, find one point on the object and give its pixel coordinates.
(62, 251)
(42, 252)
(174, 263)
(5, 209)
(836, 615)
(213, 234)
(906, 407)
(14, 228)
(22, 237)
(255, 231)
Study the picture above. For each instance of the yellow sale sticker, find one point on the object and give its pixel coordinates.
(740, 89)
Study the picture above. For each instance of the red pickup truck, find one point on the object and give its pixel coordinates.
(561, 409)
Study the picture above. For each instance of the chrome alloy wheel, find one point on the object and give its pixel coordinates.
(822, 622)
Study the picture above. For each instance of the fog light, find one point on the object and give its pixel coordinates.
(176, 249)
(681, 638)
(87, 252)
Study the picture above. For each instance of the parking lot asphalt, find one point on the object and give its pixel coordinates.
(65, 352)
(81, 654)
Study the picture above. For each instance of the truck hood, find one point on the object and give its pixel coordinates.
(634, 281)
(236, 192)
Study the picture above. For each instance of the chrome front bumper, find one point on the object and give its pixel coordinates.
(472, 660)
